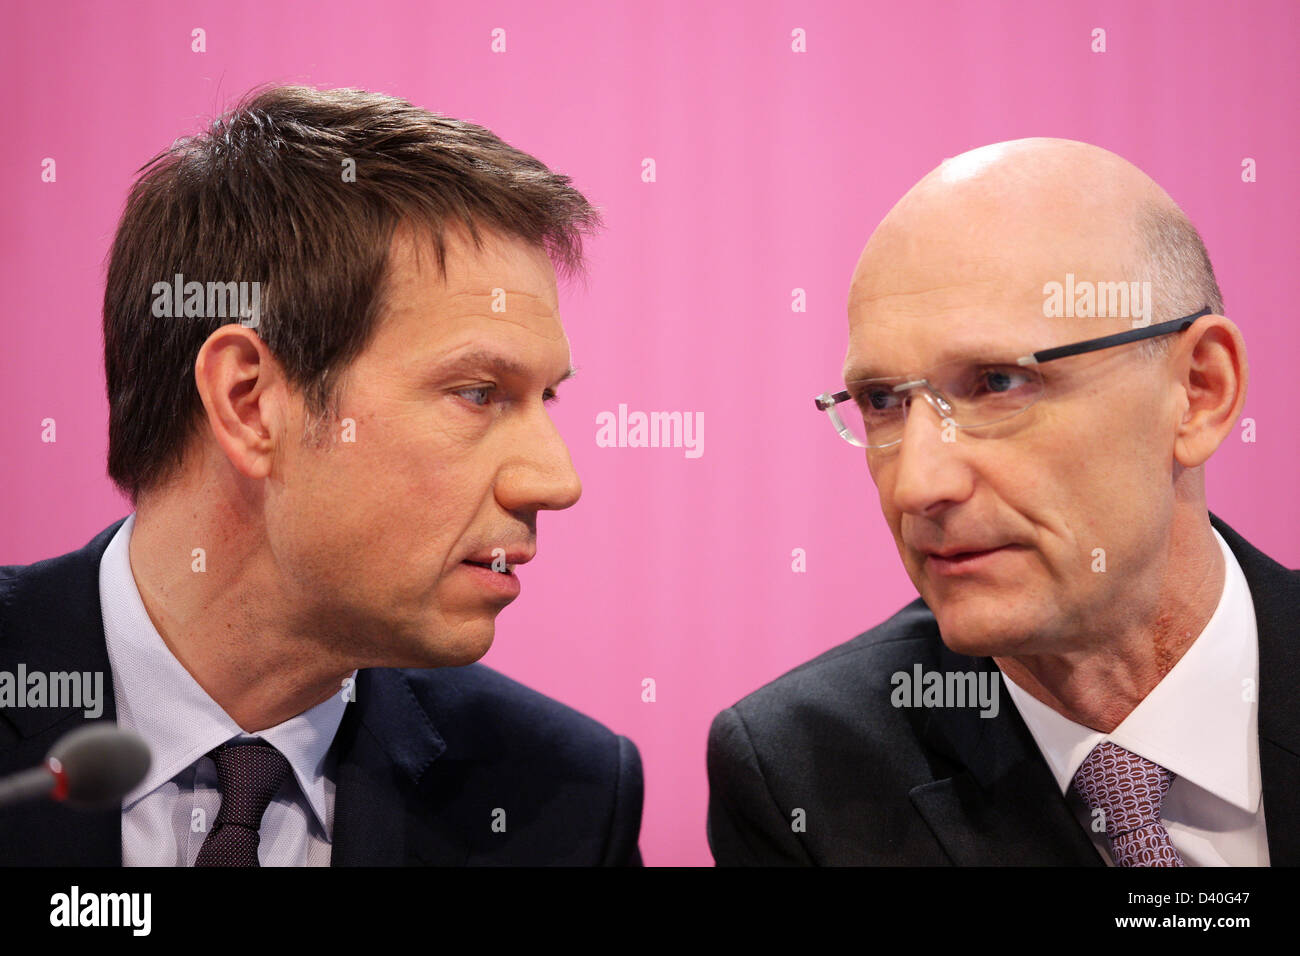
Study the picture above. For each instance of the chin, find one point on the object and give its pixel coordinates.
(979, 630)
(468, 647)
(437, 645)
(972, 643)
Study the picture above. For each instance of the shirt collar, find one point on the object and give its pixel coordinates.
(1195, 721)
(159, 699)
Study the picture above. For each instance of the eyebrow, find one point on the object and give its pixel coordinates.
(501, 365)
(978, 350)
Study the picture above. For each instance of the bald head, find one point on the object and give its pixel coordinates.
(1006, 219)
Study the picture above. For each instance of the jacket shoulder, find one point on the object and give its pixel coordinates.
(577, 785)
(859, 669)
(483, 714)
(44, 581)
(50, 608)
(825, 740)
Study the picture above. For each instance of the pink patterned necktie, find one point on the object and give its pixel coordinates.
(1129, 790)
(249, 776)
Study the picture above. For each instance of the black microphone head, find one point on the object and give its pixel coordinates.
(100, 764)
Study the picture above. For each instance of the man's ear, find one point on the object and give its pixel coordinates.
(238, 381)
(1214, 373)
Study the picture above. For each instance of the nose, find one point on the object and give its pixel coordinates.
(539, 474)
(928, 472)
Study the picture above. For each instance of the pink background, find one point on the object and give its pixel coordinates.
(773, 168)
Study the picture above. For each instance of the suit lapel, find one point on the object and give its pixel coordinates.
(1004, 808)
(384, 748)
(1275, 593)
(54, 623)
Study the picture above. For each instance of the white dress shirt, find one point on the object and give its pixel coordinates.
(166, 818)
(1201, 723)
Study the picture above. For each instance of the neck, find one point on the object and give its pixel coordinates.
(225, 614)
(1108, 674)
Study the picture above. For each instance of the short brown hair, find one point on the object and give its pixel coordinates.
(261, 197)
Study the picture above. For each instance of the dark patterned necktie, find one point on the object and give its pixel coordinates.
(249, 776)
(1129, 791)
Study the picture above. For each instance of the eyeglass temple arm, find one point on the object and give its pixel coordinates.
(1110, 341)
(830, 399)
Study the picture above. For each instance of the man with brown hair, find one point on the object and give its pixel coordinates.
(331, 333)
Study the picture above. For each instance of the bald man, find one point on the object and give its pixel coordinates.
(1098, 670)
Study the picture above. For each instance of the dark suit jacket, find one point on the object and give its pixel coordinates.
(423, 756)
(942, 786)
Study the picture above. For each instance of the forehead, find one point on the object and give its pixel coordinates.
(504, 290)
(498, 262)
(920, 298)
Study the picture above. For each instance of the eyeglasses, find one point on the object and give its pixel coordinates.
(967, 393)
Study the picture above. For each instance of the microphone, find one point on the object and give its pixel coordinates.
(91, 768)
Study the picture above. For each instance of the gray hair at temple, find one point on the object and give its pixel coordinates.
(1174, 258)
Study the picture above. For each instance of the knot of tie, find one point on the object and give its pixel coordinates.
(248, 776)
(1129, 791)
